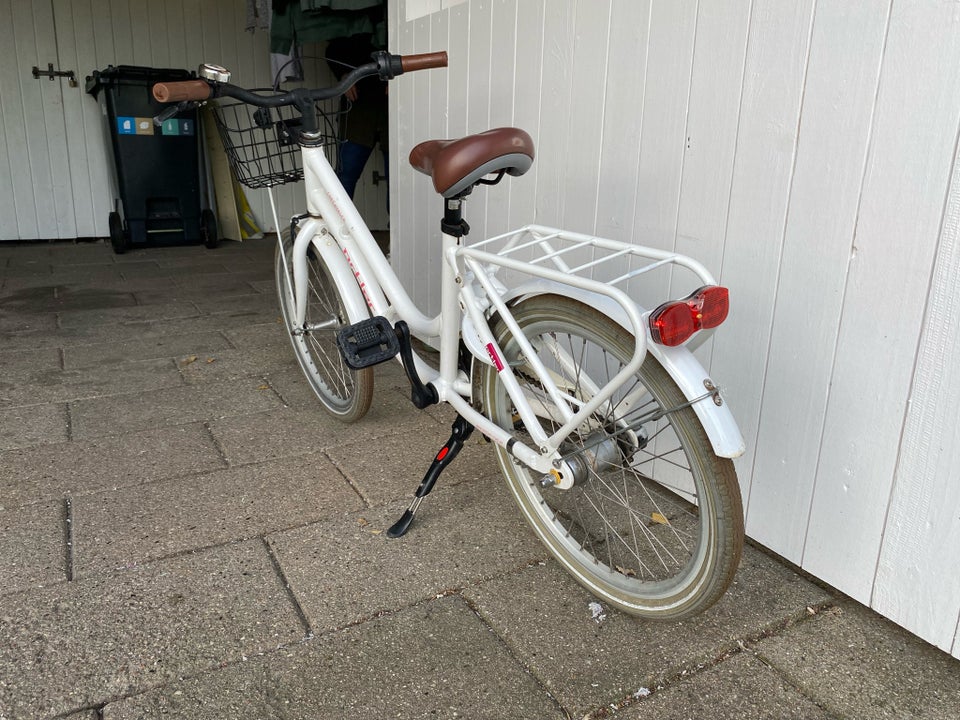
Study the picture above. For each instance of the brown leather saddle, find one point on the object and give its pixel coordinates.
(457, 165)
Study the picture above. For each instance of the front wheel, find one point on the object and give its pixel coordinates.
(653, 523)
(344, 392)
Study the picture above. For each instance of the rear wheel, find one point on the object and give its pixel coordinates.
(208, 229)
(653, 524)
(345, 393)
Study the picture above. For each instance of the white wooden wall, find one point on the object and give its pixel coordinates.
(806, 151)
(55, 178)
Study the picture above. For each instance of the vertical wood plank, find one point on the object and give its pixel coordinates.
(401, 99)
(175, 42)
(140, 35)
(118, 17)
(18, 218)
(44, 133)
(555, 96)
(623, 110)
(503, 74)
(921, 539)
(159, 36)
(907, 176)
(834, 130)
(777, 47)
(584, 137)
(712, 122)
(526, 106)
(669, 60)
(478, 102)
(74, 50)
(103, 45)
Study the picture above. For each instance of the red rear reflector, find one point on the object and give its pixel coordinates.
(714, 303)
(673, 323)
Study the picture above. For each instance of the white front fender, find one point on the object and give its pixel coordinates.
(679, 362)
(326, 247)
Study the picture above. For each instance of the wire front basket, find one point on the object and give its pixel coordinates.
(261, 143)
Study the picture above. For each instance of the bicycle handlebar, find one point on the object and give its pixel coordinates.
(169, 92)
(384, 64)
(424, 61)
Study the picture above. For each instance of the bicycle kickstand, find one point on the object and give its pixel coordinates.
(460, 432)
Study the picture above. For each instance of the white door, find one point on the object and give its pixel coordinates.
(55, 179)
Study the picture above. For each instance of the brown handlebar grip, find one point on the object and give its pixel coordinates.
(169, 92)
(424, 61)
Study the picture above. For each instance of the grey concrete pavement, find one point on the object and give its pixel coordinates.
(185, 534)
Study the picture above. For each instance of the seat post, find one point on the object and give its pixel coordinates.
(453, 222)
(453, 228)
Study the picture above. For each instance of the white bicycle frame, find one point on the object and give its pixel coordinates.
(471, 292)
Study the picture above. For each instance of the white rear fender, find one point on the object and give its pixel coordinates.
(679, 362)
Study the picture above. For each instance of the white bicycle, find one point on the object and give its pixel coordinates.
(614, 440)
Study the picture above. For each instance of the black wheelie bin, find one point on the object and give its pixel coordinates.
(158, 168)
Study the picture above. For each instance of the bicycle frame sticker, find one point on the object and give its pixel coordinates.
(494, 357)
(360, 281)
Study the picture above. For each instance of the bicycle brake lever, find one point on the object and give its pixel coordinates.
(173, 110)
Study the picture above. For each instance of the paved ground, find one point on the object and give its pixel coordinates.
(184, 534)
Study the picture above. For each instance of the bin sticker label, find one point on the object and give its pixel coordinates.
(126, 126)
(144, 126)
(176, 126)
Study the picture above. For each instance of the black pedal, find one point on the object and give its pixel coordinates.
(368, 342)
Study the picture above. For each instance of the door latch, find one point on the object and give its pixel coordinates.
(51, 73)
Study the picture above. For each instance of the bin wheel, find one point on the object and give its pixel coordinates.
(118, 238)
(208, 229)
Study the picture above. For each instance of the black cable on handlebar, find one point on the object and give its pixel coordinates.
(384, 64)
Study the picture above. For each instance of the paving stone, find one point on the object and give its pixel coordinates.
(32, 547)
(110, 331)
(28, 268)
(292, 386)
(262, 334)
(22, 295)
(741, 687)
(173, 406)
(98, 380)
(22, 366)
(229, 364)
(122, 528)
(87, 275)
(226, 287)
(22, 427)
(45, 472)
(434, 660)
(235, 283)
(545, 617)
(265, 287)
(345, 570)
(84, 252)
(137, 313)
(81, 644)
(253, 304)
(396, 468)
(23, 322)
(292, 431)
(143, 348)
(170, 269)
(858, 665)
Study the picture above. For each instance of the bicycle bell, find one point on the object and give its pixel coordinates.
(209, 71)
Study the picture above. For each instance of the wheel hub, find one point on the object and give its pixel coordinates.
(600, 452)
